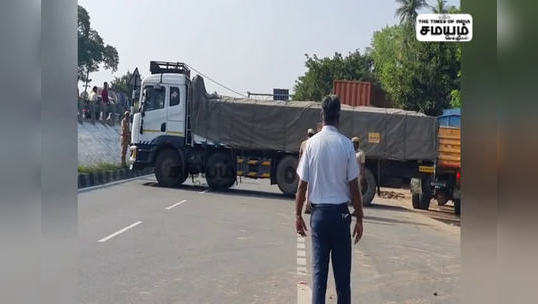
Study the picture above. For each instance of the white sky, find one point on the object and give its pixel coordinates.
(248, 45)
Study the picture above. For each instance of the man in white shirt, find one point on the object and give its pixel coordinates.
(328, 170)
(94, 104)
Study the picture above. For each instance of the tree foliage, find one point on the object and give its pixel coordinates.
(121, 84)
(408, 10)
(92, 52)
(321, 72)
(417, 76)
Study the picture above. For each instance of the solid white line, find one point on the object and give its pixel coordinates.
(119, 232)
(175, 205)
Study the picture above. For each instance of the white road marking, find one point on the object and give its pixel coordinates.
(304, 293)
(175, 205)
(119, 232)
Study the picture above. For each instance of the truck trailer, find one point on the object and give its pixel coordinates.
(443, 181)
(181, 130)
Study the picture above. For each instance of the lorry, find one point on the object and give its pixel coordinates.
(442, 181)
(181, 130)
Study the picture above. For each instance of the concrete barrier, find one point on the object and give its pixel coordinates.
(98, 178)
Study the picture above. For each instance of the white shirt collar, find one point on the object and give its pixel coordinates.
(329, 128)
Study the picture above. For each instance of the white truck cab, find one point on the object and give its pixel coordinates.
(163, 101)
(161, 138)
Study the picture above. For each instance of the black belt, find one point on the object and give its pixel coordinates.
(342, 206)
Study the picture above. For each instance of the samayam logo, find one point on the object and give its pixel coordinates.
(444, 27)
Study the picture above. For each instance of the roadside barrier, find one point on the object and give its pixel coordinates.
(103, 177)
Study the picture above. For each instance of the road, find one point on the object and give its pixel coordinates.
(141, 243)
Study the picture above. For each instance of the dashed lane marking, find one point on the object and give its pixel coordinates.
(119, 232)
(175, 205)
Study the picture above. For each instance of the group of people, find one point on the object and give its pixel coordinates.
(330, 169)
(101, 104)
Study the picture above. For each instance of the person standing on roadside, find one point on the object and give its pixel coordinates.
(125, 135)
(94, 100)
(328, 170)
(105, 101)
(309, 133)
(361, 158)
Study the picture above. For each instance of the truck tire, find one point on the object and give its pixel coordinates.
(286, 178)
(457, 206)
(368, 188)
(422, 201)
(170, 168)
(220, 171)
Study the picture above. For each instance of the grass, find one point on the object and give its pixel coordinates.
(99, 167)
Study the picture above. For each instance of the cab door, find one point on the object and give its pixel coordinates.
(176, 110)
(154, 112)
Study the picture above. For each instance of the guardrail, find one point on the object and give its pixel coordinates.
(104, 177)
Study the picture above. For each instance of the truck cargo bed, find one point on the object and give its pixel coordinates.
(449, 148)
(385, 133)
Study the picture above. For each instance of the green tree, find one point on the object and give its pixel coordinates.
(92, 52)
(121, 84)
(417, 76)
(455, 99)
(408, 10)
(440, 7)
(321, 72)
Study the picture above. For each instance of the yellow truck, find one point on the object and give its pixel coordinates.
(443, 180)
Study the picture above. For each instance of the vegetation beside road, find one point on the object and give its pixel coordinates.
(99, 167)
(417, 76)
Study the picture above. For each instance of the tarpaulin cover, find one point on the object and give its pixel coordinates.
(275, 125)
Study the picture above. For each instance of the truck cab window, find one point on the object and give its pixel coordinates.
(174, 96)
(154, 98)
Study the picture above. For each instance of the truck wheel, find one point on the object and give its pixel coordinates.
(457, 206)
(169, 168)
(220, 173)
(368, 188)
(286, 178)
(422, 201)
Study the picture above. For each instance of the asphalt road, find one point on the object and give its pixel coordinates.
(140, 243)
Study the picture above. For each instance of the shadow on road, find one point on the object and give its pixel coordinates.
(388, 207)
(390, 221)
(229, 192)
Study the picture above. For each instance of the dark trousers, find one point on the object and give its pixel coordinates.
(331, 236)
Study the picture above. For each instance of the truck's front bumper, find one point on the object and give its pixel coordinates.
(140, 157)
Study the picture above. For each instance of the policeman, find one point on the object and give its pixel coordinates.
(309, 133)
(125, 135)
(360, 156)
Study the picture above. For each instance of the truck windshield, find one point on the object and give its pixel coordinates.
(153, 98)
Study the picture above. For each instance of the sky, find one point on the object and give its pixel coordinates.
(247, 45)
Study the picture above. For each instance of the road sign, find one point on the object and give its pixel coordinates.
(281, 94)
(135, 79)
